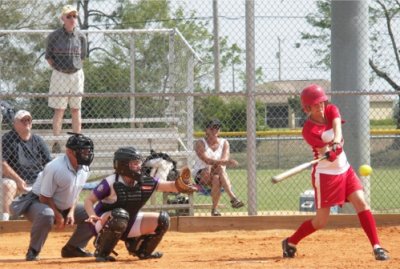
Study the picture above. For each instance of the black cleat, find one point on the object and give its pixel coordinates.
(380, 254)
(32, 255)
(69, 251)
(105, 259)
(154, 255)
(288, 250)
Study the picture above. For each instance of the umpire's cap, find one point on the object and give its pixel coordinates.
(79, 141)
(215, 123)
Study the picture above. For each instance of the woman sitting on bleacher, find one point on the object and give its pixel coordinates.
(212, 157)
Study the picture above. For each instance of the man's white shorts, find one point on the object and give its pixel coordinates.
(66, 83)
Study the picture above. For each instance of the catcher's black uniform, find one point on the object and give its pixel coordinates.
(113, 193)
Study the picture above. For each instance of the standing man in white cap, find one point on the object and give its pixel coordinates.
(24, 156)
(65, 51)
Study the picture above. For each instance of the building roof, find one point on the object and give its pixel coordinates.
(281, 90)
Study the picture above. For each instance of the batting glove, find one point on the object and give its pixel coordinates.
(337, 148)
(331, 155)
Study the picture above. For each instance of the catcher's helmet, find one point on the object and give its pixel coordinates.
(122, 157)
(83, 148)
(312, 95)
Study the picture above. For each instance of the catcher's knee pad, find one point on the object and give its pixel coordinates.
(163, 223)
(144, 245)
(112, 231)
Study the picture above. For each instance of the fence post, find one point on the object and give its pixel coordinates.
(170, 110)
(350, 72)
(217, 78)
(251, 113)
(132, 79)
(1, 166)
(189, 120)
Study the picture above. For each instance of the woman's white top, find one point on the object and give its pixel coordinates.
(212, 154)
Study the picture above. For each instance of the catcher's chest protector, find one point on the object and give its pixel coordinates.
(132, 199)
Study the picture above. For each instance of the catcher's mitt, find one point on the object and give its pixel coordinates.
(184, 182)
(160, 165)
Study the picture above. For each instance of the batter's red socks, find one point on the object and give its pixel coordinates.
(369, 226)
(304, 230)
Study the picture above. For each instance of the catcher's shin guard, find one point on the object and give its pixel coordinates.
(144, 245)
(112, 231)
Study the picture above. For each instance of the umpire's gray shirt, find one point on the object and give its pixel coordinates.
(61, 182)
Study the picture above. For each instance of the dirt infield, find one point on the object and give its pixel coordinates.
(331, 248)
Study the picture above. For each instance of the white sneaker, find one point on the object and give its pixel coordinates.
(5, 217)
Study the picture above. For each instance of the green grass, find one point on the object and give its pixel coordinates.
(383, 124)
(285, 196)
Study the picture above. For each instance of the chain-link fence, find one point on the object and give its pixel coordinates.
(149, 82)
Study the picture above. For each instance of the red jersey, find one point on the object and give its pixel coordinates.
(319, 135)
(333, 181)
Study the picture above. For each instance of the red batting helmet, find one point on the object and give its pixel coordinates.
(312, 95)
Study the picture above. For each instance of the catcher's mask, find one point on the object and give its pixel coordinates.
(122, 157)
(83, 148)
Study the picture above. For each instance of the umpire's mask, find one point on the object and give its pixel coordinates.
(83, 148)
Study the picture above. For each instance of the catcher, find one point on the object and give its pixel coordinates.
(119, 198)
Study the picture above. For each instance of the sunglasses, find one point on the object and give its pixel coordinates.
(215, 127)
(72, 16)
(26, 120)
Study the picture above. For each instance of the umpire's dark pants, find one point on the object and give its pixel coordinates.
(42, 218)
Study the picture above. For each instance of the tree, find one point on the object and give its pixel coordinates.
(321, 21)
(22, 51)
(383, 60)
(232, 112)
(387, 9)
(21, 70)
(151, 51)
(149, 67)
(107, 68)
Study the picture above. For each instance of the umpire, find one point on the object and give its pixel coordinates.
(53, 199)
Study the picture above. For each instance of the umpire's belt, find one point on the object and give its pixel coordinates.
(67, 71)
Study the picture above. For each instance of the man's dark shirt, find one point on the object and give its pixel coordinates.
(27, 158)
(67, 50)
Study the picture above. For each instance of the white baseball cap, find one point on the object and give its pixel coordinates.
(22, 114)
(68, 9)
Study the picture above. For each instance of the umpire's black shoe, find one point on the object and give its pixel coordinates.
(380, 254)
(32, 255)
(69, 251)
(154, 255)
(105, 259)
(288, 250)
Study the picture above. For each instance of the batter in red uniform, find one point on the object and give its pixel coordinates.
(333, 179)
